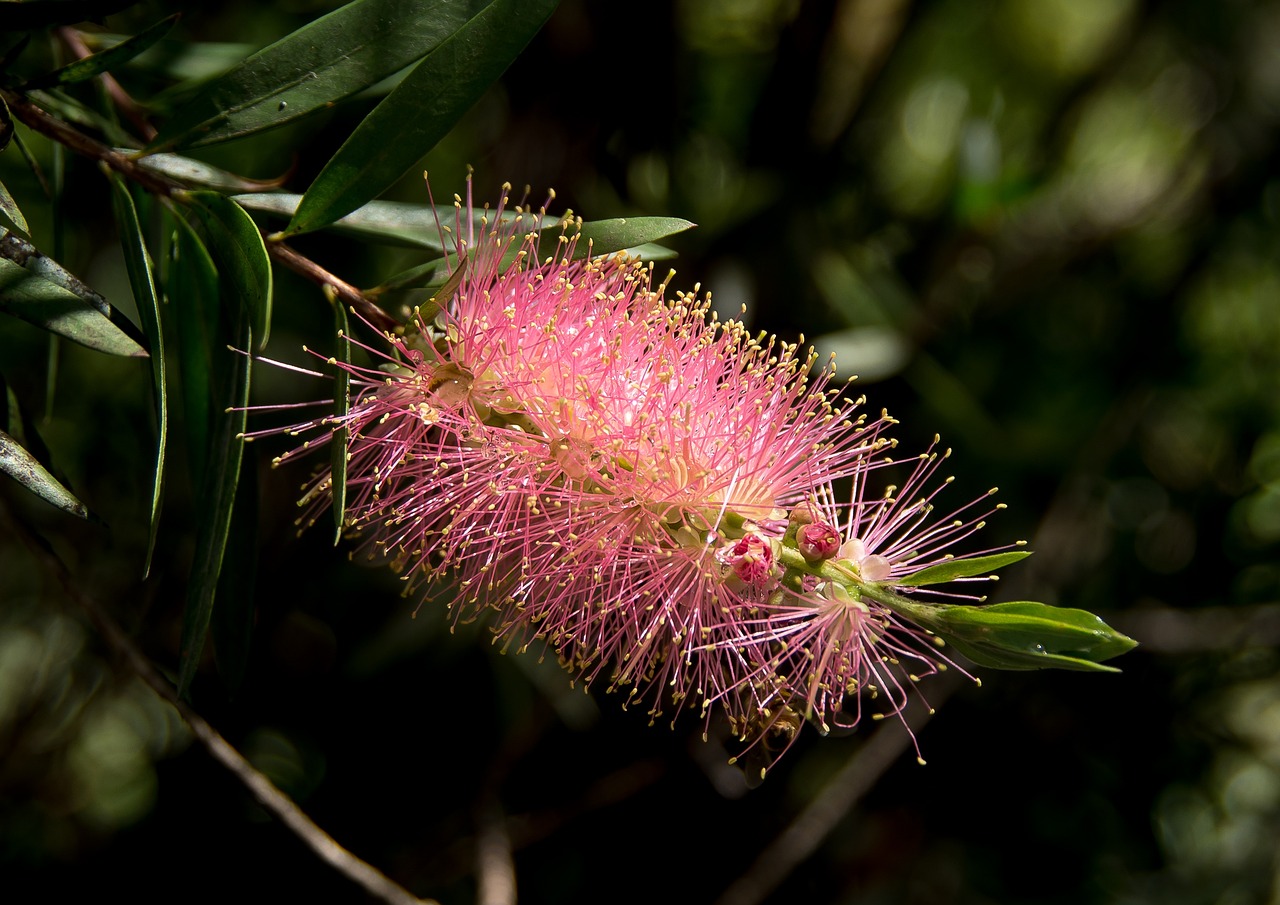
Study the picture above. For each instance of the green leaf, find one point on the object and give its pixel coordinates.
(961, 568)
(142, 280)
(24, 468)
(87, 68)
(415, 226)
(191, 287)
(218, 503)
(341, 406)
(6, 125)
(49, 306)
(41, 13)
(11, 210)
(321, 63)
(232, 618)
(598, 237)
(1029, 635)
(239, 253)
(421, 110)
(198, 174)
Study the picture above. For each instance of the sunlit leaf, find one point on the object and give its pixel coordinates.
(218, 497)
(421, 110)
(11, 210)
(597, 237)
(1029, 635)
(23, 467)
(962, 568)
(323, 62)
(198, 174)
(36, 300)
(142, 279)
(239, 253)
(87, 68)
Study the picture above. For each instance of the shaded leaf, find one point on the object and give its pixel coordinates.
(6, 125)
(191, 287)
(323, 62)
(87, 68)
(218, 497)
(241, 257)
(142, 280)
(46, 305)
(233, 616)
(421, 110)
(961, 568)
(27, 471)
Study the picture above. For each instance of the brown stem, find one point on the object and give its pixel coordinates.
(348, 294)
(55, 129)
(275, 802)
(132, 110)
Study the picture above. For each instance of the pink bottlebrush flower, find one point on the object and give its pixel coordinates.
(829, 643)
(609, 472)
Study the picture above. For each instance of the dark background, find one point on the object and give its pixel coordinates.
(1047, 230)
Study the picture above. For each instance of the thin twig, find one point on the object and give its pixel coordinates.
(132, 110)
(275, 802)
(838, 796)
(305, 267)
(63, 133)
(68, 136)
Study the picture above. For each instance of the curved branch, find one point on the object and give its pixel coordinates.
(264, 792)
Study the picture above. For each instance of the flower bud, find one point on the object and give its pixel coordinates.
(817, 541)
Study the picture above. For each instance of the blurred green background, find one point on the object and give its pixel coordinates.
(1048, 230)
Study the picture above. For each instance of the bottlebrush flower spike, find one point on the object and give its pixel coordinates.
(609, 473)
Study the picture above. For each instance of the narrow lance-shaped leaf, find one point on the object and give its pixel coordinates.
(142, 279)
(40, 302)
(341, 406)
(961, 568)
(1025, 635)
(11, 210)
(218, 496)
(192, 290)
(418, 225)
(232, 618)
(323, 62)
(24, 468)
(239, 253)
(103, 61)
(421, 110)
